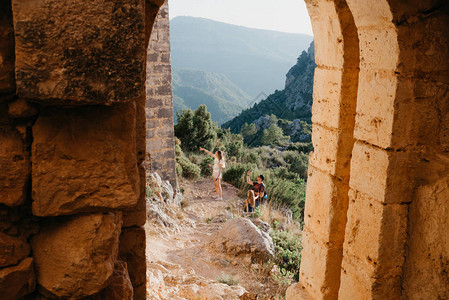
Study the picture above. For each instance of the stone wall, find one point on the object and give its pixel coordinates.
(376, 208)
(159, 102)
(72, 147)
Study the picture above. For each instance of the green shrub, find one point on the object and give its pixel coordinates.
(178, 169)
(206, 166)
(287, 249)
(236, 174)
(178, 150)
(189, 169)
(227, 279)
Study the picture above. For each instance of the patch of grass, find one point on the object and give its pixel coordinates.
(148, 192)
(227, 279)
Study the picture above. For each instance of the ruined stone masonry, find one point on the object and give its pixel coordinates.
(159, 103)
(72, 144)
(377, 206)
(85, 96)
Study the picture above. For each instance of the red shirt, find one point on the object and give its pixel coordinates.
(259, 188)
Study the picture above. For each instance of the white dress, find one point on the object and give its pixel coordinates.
(216, 169)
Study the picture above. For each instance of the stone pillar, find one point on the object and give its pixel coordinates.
(159, 101)
(335, 91)
(72, 127)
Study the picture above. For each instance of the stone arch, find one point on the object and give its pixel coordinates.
(398, 175)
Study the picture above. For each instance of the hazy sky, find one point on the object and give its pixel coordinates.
(280, 15)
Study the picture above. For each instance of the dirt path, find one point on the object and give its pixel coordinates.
(185, 248)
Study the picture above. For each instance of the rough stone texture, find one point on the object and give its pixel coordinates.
(240, 236)
(21, 109)
(12, 250)
(120, 287)
(334, 106)
(170, 281)
(75, 256)
(72, 53)
(390, 235)
(159, 105)
(17, 281)
(297, 292)
(95, 153)
(132, 251)
(7, 80)
(14, 165)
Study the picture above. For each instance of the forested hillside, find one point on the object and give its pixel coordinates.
(293, 102)
(223, 98)
(255, 60)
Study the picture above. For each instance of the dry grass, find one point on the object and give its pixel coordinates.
(271, 212)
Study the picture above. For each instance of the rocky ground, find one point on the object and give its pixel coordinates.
(202, 250)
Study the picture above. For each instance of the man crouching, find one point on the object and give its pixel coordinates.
(255, 195)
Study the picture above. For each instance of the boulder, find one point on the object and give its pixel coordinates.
(12, 249)
(240, 236)
(84, 160)
(14, 166)
(265, 227)
(75, 256)
(157, 215)
(17, 281)
(70, 52)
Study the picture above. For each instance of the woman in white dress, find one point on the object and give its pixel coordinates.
(219, 164)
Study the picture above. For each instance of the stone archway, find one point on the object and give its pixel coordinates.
(391, 242)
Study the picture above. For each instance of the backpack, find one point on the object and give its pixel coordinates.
(265, 196)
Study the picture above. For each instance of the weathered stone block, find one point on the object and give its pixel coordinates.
(12, 250)
(330, 150)
(375, 234)
(327, 33)
(381, 174)
(7, 80)
(80, 52)
(120, 287)
(84, 160)
(14, 165)
(375, 107)
(21, 109)
(17, 281)
(132, 251)
(320, 268)
(426, 267)
(357, 282)
(327, 97)
(379, 48)
(75, 256)
(326, 207)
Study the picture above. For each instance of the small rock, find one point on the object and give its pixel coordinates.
(248, 296)
(12, 250)
(21, 109)
(17, 281)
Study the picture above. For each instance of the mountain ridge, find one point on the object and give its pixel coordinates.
(256, 60)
